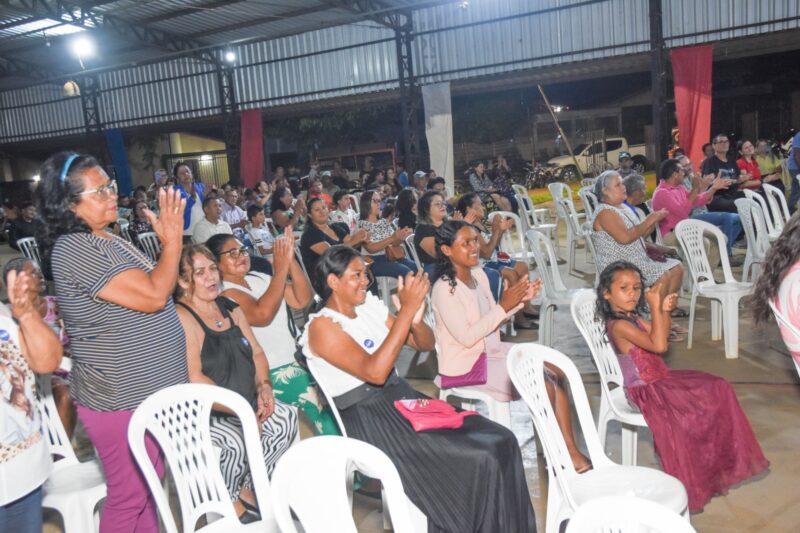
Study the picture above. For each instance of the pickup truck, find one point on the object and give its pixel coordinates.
(590, 158)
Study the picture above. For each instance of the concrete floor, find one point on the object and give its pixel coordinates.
(766, 385)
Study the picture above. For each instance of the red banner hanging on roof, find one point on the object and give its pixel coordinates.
(251, 162)
(691, 70)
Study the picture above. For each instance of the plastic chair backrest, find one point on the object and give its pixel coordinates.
(526, 212)
(560, 191)
(588, 182)
(752, 218)
(783, 321)
(124, 226)
(311, 479)
(354, 202)
(589, 200)
(690, 235)
(299, 255)
(412, 250)
(594, 333)
(571, 220)
(270, 225)
(525, 364)
(150, 244)
(58, 442)
(178, 419)
(777, 203)
(626, 514)
(769, 219)
(319, 377)
(547, 264)
(30, 249)
(587, 230)
(520, 189)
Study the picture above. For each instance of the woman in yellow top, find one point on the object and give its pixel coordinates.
(769, 164)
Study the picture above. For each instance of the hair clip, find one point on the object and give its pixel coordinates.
(65, 168)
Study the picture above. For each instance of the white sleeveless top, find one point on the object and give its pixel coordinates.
(275, 338)
(368, 329)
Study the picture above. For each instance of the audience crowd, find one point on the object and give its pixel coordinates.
(237, 267)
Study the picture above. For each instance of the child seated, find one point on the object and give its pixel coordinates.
(700, 432)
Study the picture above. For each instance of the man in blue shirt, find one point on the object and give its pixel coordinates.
(794, 171)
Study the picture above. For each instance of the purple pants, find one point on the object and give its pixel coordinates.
(128, 506)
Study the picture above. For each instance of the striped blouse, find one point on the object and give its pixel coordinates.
(120, 356)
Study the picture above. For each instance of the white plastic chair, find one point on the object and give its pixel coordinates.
(354, 202)
(783, 321)
(178, 418)
(565, 211)
(724, 296)
(150, 244)
(626, 514)
(73, 488)
(30, 249)
(771, 220)
(777, 204)
(314, 367)
(567, 489)
(752, 218)
(589, 200)
(613, 403)
(517, 251)
(312, 478)
(124, 226)
(586, 227)
(554, 292)
(412, 250)
(534, 218)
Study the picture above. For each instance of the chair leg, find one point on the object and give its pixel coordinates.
(629, 442)
(554, 502)
(716, 320)
(730, 322)
(692, 305)
(603, 418)
(500, 412)
(79, 517)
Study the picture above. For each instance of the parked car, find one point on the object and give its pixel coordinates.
(591, 161)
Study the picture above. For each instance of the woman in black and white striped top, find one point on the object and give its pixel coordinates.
(126, 340)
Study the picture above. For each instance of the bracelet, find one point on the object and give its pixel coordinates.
(260, 385)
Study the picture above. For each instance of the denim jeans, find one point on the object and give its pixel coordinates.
(23, 515)
(383, 267)
(729, 223)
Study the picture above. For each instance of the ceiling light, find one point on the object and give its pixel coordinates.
(205, 157)
(83, 47)
(230, 56)
(36, 177)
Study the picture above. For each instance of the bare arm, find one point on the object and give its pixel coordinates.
(148, 292)
(612, 224)
(39, 345)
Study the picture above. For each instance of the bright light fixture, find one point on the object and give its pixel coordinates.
(36, 177)
(83, 47)
(205, 157)
(557, 108)
(230, 56)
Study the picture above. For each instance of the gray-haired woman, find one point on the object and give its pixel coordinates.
(618, 235)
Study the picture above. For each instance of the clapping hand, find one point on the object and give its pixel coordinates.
(517, 294)
(20, 295)
(655, 295)
(283, 251)
(168, 225)
(411, 293)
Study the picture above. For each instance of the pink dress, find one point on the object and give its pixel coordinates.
(787, 301)
(700, 432)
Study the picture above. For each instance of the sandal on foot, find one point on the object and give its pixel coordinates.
(680, 330)
(675, 337)
(679, 313)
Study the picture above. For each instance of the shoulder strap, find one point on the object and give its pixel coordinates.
(206, 329)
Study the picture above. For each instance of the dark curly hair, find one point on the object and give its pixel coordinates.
(445, 235)
(55, 198)
(602, 308)
(333, 261)
(783, 253)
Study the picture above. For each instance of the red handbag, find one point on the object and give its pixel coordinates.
(431, 414)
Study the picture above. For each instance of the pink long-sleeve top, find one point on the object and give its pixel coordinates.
(461, 329)
(676, 201)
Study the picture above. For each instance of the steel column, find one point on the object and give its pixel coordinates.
(658, 80)
(410, 96)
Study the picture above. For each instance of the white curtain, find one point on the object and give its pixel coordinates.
(439, 130)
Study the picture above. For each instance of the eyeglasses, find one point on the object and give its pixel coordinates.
(726, 141)
(236, 253)
(106, 191)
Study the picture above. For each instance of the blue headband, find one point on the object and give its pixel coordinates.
(65, 169)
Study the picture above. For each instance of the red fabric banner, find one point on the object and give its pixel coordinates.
(251, 162)
(691, 69)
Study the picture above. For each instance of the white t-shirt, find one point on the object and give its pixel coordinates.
(205, 229)
(25, 461)
(368, 329)
(348, 217)
(262, 238)
(195, 215)
(275, 338)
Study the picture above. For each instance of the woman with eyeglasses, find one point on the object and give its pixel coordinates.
(110, 294)
(380, 236)
(222, 350)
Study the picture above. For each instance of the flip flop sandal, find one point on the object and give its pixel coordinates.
(680, 330)
(674, 337)
(679, 313)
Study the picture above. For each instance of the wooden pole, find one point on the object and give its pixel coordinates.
(560, 131)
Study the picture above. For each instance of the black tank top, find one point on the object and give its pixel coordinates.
(226, 356)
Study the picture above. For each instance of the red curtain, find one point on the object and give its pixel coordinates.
(691, 69)
(251, 163)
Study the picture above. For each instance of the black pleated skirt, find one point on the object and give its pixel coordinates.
(464, 480)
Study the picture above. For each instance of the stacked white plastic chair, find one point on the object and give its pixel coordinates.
(589, 200)
(178, 419)
(535, 218)
(412, 250)
(124, 226)
(772, 221)
(565, 210)
(776, 200)
(150, 244)
(613, 403)
(30, 249)
(311, 479)
(518, 250)
(73, 488)
(783, 321)
(568, 490)
(553, 288)
(752, 218)
(626, 514)
(724, 296)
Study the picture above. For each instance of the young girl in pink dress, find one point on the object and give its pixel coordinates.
(701, 434)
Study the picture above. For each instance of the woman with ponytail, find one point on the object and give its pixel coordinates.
(110, 294)
(465, 479)
(468, 344)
